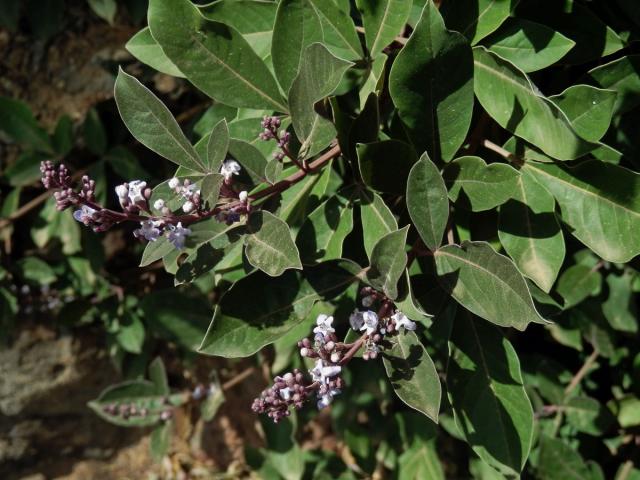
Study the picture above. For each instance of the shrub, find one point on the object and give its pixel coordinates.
(445, 193)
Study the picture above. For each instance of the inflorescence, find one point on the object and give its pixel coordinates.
(134, 199)
(282, 138)
(293, 389)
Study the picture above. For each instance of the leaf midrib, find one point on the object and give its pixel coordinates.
(585, 191)
(218, 60)
(480, 267)
(494, 397)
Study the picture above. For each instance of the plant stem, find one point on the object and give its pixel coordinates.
(506, 154)
(238, 378)
(584, 370)
(575, 381)
(353, 350)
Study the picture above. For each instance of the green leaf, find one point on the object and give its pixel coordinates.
(207, 256)
(485, 186)
(105, 9)
(383, 20)
(559, 461)
(158, 376)
(485, 387)
(160, 441)
(296, 199)
(254, 19)
(213, 402)
(620, 307)
(530, 233)
(528, 45)
(600, 202)
(431, 83)
(413, 375)
(217, 146)
(63, 137)
(407, 303)
(268, 244)
(478, 18)
(283, 454)
(140, 394)
(589, 109)
(427, 202)
(258, 309)
(576, 21)
(26, 169)
(339, 32)
(322, 234)
(587, 415)
(388, 261)
(374, 82)
(507, 94)
(385, 165)
(176, 317)
(155, 251)
(17, 121)
(629, 412)
(319, 75)
(95, 136)
(420, 461)
(621, 75)
(577, 283)
(250, 158)
(130, 334)
(210, 188)
(297, 26)
(377, 219)
(35, 271)
(273, 170)
(144, 47)
(152, 124)
(213, 56)
(486, 283)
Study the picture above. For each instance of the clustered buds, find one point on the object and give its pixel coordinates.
(331, 355)
(270, 127)
(289, 390)
(127, 410)
(134, 197)
(88, 212)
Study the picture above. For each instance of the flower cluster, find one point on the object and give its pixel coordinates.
(270, 127)
(289, 390)
(331, 355)
(88, 212)
(125, 410)
(134, 196)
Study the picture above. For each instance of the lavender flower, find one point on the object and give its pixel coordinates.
(177, 235)
(84, 215)
(323, 323)
(136, 191)
(369, 321)
(148, 230)
(229, 168)
(401, 321)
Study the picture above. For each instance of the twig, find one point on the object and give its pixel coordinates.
(238, 378)
(31, 204)
(584, 370)
(506, 154)
(299, 175)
